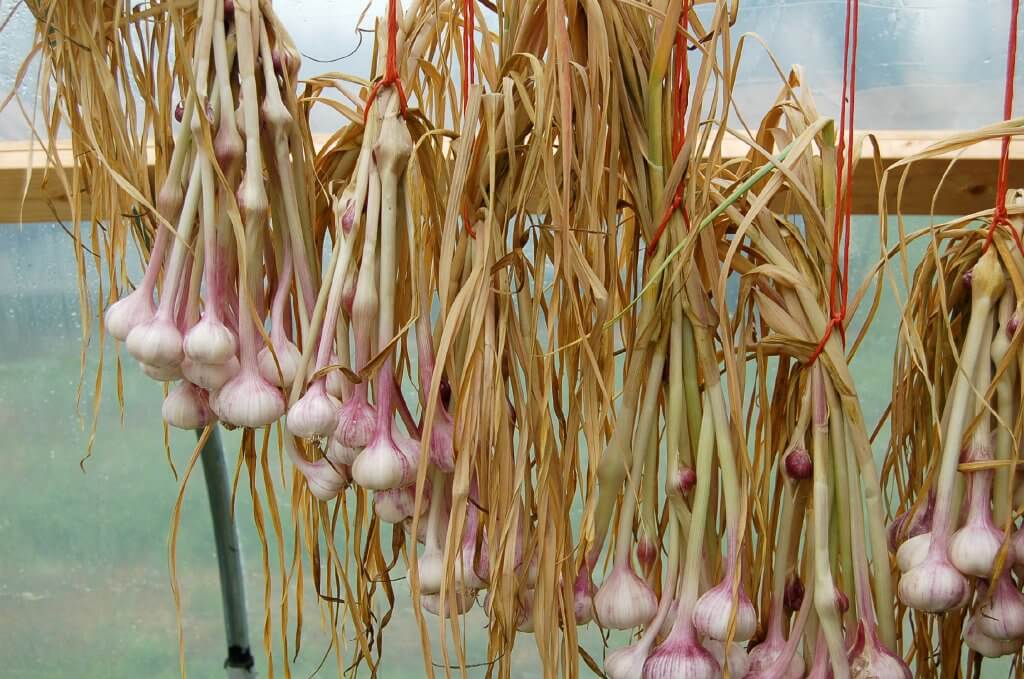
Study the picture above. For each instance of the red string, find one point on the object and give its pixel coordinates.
(391, 76)
(839, 281)
(681, 95)
(999, 217)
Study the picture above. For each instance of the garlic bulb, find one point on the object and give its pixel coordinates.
(766, 654)
(624, 600)
(384, 464)
(210, 341)
(339, 454)
(168, 373)
(1001, 616)
(357, 422)
(156, 342)
(627, 662)
(934, 585)
(315, 414)
(583, 597)
(870, 658)
(186, 407)
(712, 616)
(395, 505)
(681, 658)
(130, 311)
(913, 551)
(463, 601)
(973, 548)
(288, 357)
(210, 376)
(430, 568)
(248, 400)
(739, 661)
(987, 646)
(324, 480)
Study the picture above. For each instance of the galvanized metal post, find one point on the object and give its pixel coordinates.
(239, 662)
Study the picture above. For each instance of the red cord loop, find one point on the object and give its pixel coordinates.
(999, 216)
(391, 76)
(681, 93)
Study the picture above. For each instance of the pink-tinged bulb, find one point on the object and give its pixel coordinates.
(973, 549)
(739, 661)
(933, 586)
(156, 342)
(764, 657)
(357, 423)
(1017, 546)
(335, 381)
(793, 595)
(525, 619)
(646, 553)
(288, 357)
(913, 551)
(624, 600)
(466, 570)
(870, 659)
(1012, 325)
(907, 526)
(842, 601)
(385, 464)
(186, 407)
(228, 148)
(248, 400)
(167, 373)
(583, 597)
(315, 414)
(799, 465)
(325, 481)
(339, 454)
(210, 376)
(442, 451)
(179, 111)
(627, 662)
(463, 601)
(681, 659)
(1002, 616)
(986, 645)
(210, 341)
(130, 311)
(685, 480)
(714, 610)
(398, 504)
(430, 568)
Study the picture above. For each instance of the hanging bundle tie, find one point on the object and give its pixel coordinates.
(681, 93)
(391, 76)
(839, 281)
(999, 216)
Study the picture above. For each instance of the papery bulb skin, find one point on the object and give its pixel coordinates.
(464, 601)
(339, 454)
(870, 659)
(681, 659)
(383, 465)
(739, 661)
(624, 600)
(315, 414)
(167, 373)
(210, 341)
(764, 656)
(288, 356)
(933, 586)
(210, 376)
(156, 343)
(714, 609)
(130, 311)
(1002, 616)
(357, 423)
(398, 504)
(324, 481)
(793, 595)
(799, 465)
(913, 551)
(583, 597)
(973, 549)
(986, 645)
(646, 553)
(248, 400)
(627, 662)
(525, 622)
(430, 567)
(186, 407)
(907, 526)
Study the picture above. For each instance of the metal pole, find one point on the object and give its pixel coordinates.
(229, 558)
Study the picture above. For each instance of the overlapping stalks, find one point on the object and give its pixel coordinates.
(563, 361)
(955, 431)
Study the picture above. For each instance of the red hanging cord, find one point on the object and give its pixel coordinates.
(839, 281)
(999, 217)
(391, 76)
(681, 95)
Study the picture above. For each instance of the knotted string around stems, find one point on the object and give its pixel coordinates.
(391, 76)
(999, 217)
(839, 281)
(680, 96)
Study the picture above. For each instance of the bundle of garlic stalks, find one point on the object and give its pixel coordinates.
(557, 362)
(955, 431)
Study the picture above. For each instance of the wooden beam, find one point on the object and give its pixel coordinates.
(969, 185)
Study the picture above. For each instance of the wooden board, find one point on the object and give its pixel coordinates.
(35, 195)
